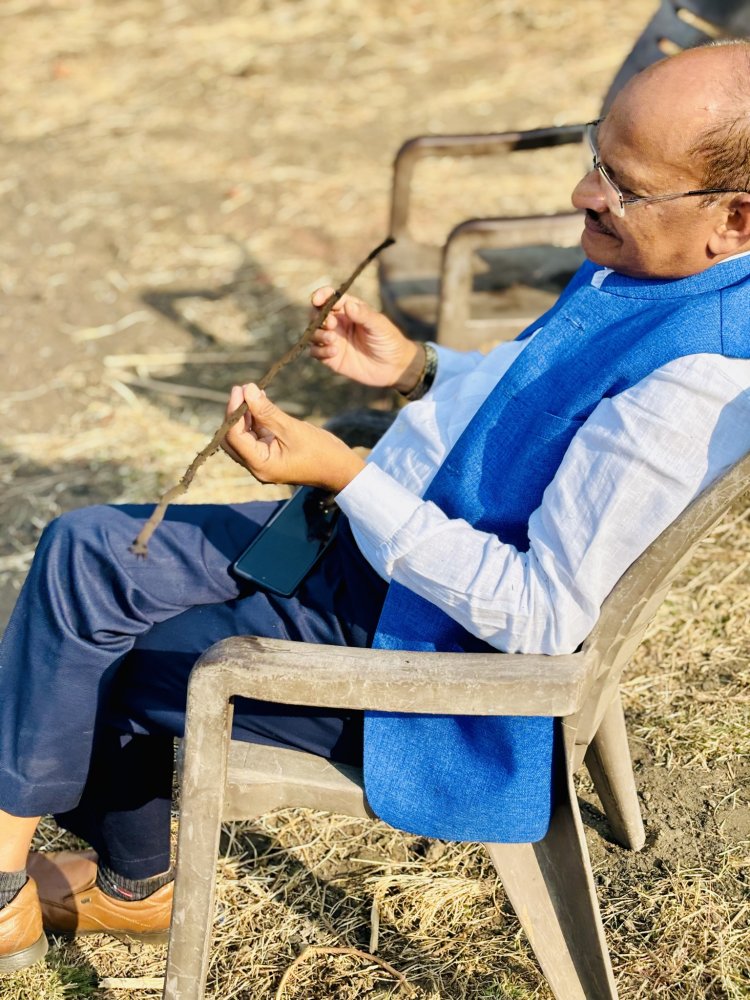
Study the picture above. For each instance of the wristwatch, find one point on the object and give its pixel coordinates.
(426, 376)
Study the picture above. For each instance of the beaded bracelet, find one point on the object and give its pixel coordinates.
(426, 377)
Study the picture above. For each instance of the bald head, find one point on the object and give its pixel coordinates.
(673, 155)
(696, 107)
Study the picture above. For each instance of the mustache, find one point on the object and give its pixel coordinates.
(597, 218)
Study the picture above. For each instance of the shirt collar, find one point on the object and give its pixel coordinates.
(729, 271)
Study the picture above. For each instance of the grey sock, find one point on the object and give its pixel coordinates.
(130, 888)
(11, 884)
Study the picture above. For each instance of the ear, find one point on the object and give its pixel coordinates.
(732, 233)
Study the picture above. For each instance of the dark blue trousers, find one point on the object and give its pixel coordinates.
(96, 657)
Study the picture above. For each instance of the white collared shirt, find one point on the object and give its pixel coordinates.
(636, 463)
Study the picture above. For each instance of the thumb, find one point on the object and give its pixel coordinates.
(360, 312)
(262, 410)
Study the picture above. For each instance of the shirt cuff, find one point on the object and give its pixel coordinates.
(377, 508)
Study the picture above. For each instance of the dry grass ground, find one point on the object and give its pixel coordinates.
(177, 176)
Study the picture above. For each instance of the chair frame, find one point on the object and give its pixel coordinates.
(676, 24)
(455, 325)
(550, 884)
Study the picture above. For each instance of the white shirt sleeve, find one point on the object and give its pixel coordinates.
(452, 363)
(637, 462)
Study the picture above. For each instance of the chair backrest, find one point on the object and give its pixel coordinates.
(681, 25)
(636, 597)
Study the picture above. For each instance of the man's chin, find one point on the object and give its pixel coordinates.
(599, 247)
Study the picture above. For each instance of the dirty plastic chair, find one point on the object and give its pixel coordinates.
(496, 275)
(550, 883)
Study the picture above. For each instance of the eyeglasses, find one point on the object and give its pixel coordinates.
(616, 200)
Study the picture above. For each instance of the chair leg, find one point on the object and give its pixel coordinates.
(611, 768)
(201, 801)
(551, 888)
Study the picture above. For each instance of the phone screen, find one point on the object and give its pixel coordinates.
(290, 543)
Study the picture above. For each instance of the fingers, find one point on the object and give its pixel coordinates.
(320, 295)
(324, 343)
(330, 324)
(263, 423)
(260, 409)
(236, 398)
(252, 440)
(324, 352)
(349, 306)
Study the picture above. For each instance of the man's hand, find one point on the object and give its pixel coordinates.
(363, 344)
(278, 448)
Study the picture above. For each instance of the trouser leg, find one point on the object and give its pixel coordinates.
(87, 602)
(86, 599)
(338, 604)
(125, 808)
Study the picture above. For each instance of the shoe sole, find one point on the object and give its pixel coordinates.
(143, 937)
(22, 959)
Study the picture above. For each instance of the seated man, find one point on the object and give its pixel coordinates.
(499, 510)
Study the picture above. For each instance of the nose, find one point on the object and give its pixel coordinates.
(589, 192)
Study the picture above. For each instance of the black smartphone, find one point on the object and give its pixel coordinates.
(289, 545)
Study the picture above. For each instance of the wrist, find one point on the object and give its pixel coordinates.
(412, 371)
(347, 471)
(426, 376)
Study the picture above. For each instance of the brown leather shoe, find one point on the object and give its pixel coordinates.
(22, 940)
(73, 904)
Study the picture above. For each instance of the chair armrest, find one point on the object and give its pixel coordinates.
(563, 230)
(490, 144)
(393, 681)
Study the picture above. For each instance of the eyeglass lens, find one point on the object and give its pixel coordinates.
(612, 194)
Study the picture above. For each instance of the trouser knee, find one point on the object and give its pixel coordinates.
(77, 528)
(78, 570)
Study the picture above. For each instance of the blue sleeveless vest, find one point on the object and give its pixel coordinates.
(490, 778)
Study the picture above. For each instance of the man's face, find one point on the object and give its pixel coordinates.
(645, 155)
